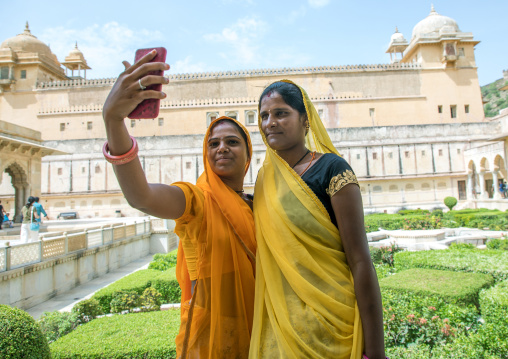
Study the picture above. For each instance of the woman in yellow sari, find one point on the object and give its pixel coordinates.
(317, 294)
(214, 220)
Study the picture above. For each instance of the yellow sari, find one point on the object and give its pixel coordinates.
(217, 322)
(305, 304)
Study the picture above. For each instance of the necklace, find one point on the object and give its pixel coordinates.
(312, 159)
(300, 160)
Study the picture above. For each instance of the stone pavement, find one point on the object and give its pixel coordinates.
(65, 301)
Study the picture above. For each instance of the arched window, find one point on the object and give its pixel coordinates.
(97, 203)
(410, 187)
(250, 117)
(210, 116)
(232, 114)
(393, 188)
(441, 185)
(115, 202)
(377, 189)
(425, 187)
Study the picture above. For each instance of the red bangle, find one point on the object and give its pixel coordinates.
(122, 159)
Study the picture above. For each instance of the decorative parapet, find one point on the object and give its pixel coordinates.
(240, 74)
(215, 102)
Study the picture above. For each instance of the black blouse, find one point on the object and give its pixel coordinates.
(328, 176)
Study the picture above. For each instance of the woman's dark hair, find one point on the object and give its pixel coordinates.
(31, 200)
(242, 133)
(290, 93)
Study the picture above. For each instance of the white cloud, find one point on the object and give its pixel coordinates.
(104, 46)
(296, 14)
(186, 66)
(242, 40)
(318, 3)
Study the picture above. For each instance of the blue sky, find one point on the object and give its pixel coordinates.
(218, 35)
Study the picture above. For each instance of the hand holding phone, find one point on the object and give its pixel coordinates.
(149, 108)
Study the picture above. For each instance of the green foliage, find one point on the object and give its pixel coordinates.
(497, 100)
(450, 202)
(437, 213)
(494, 304)
(405, 212)
(412, 352)
(87, 309)
(125, 301)
(487, 261)
(167, 285)
(462, 246)
(426, 222)
(20, 336)
(57, 324)
(452, 287)
(151, 299)
(139, 335)
(163, 262)
(497, 243)
(135, 282)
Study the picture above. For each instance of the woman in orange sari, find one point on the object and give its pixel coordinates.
(214, 220)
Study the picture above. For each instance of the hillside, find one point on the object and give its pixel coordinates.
(497, 100)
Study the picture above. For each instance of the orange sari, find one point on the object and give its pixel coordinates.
(217, 322)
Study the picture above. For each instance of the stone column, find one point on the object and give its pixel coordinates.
(470, 189)
(483, 192)
(18, 202)
(497, 194)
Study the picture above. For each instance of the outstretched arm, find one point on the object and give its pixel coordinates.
(348, 208)
(159, 200)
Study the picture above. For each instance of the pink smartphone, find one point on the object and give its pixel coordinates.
(149, 108)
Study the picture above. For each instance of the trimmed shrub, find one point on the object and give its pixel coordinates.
(412, 352)
(452, 287)
(20, 336)
(163, 261)
(135, 282)
(494, 304)
(497, 243)
(139, 335)
(87, 309)
(57, 324)
(405, 212)
(167, 285)
(125, 301)
(490, 262)
(151, 300)
(450, 202)
(462, 246)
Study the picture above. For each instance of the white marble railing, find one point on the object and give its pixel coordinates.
(59, 244)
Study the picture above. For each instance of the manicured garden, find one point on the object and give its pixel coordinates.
(436, 304)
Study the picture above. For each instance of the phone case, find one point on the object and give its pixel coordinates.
(149, 108)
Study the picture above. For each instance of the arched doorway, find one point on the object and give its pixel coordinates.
(19, 181)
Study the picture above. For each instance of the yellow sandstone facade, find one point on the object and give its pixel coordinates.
(403, 126)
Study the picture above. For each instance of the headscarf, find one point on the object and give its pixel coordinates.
(217, 322)
(305, 304)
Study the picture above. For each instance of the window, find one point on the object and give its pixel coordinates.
(406, 154)
(440, 152)
(60, 171)
(441, 185)
(133, 123)
(440, 109)
(4, 72)
(377, 189)
(410, 187)
(372, 113)
(22, 74)
(161, 121)
(390, 155)
(83, 169)
(374, 155)
(97, 168)
(393, 188)
(461, 51)
(89, 125)
(423, 153)
(425, 187)
(458, 151)
(453, 111)
(211, 116)
(258, 161)
(358, 156)
(466, 108)
(232, 114)
(250, 117)
(320, 113)
(187, 165)
(62, 126)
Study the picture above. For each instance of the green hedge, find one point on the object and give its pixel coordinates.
(494, 304)
(163, 261)
(135, 282)
(141, 335)
(452, 287)
(165, 283)
(20, 336)
(491, 262)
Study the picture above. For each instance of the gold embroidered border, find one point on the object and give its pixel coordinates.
(339, 181)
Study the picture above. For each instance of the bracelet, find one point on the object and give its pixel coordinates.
(122, 159)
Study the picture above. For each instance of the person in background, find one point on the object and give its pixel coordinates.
(40, 210)
(29, 216)
(7, 221)
(2, 212)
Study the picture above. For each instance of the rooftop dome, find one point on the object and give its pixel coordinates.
(75, 54)
(433, 23)
(27, 42)
(397, 36)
